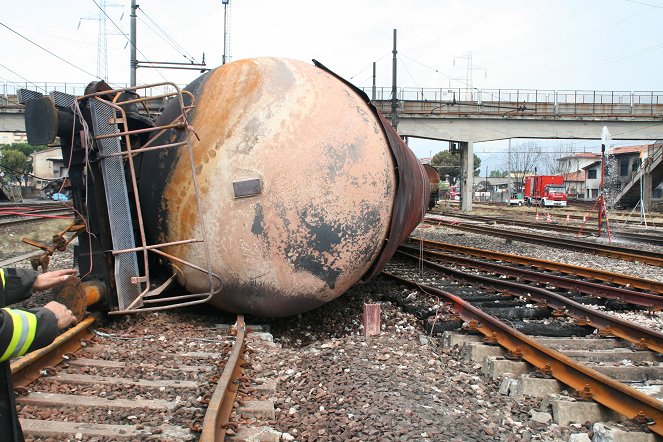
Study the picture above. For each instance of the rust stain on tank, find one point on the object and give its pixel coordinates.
(327, 177)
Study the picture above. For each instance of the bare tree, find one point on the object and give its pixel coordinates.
(524, 158)
(550, 160)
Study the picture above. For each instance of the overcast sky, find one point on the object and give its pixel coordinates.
(525, 44)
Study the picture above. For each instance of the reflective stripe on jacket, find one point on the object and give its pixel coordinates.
(23, 330)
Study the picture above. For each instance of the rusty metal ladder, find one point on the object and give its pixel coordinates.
(133, 284)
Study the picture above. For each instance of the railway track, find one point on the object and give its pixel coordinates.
(575, 212)
(591, 378)
(30, 212)
(591, 274)
(174, 378)
(624, 253)
(586, 229)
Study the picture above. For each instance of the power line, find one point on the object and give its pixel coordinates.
(408, 72)
(644, 4)
(46, 50)
(19, 75)
(127, 38)
(168, 39)
(370, 65)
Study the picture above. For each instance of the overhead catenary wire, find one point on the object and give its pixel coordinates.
(128, 39)
(167, 38)
(22, 77)
(48, 51)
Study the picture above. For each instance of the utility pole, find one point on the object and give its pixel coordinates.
(394, 92)
(373, 91)
(225, 28)
(508, 172)
(133, 63)
(102, 44)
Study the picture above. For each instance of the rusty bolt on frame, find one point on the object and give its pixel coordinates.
(607, 331)
(473, 325)
(492, 339)
(545, 372)
(586, 393)
(641, 419)
(583, 322)
(516, 353)
(642, 344)
(196, 426)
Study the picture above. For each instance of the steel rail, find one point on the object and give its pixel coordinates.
(632, 236)
(26, 369)
(625, 253)
(604, 390)
(221, 403)
(653, 302)
(601, 275)
(610, 325)
(617, 218)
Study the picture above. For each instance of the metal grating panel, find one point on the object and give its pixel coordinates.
(119, 213)
(24, 95)
(62, 100)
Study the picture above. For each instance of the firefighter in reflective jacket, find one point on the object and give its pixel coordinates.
(22, 331)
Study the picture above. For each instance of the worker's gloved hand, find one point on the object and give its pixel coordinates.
(62, 314)
(49, 280)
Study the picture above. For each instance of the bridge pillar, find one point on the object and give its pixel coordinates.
(466, 175)
(647, 186)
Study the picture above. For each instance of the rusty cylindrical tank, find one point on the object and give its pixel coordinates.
(434, 180)
(299, 183)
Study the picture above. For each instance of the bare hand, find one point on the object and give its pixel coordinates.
(62, 314)
(48, 280)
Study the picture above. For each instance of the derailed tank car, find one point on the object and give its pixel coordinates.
(270, 184)
(434, 180)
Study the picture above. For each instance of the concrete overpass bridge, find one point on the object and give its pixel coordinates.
(468, 116)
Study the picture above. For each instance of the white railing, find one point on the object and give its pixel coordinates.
(8, 90)
(519, 95)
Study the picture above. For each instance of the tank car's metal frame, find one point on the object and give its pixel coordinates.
(89, 186)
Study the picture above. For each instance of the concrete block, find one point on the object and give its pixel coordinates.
(655, 391)
(506, 385)
(540, 416)
(477, 352)
(267, 386)
(451, 338)
(535, 387)
(262, 336)
(579, 437)
(591, 344)
(566, 412)
(612, 356)
(255, 434)
(494, 367)
(630, 374)
(257, 409)
(605, 432)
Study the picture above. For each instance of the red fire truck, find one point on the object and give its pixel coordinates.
(545, 190)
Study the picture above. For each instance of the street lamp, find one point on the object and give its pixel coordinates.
(225, 24)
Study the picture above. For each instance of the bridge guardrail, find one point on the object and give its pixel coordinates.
(8, 90)
(554, 102)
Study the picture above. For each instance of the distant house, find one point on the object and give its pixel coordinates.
(576, 162)
(47, 165)
(575, 184)
(621, 171)
(592, 179)
(628, 160)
